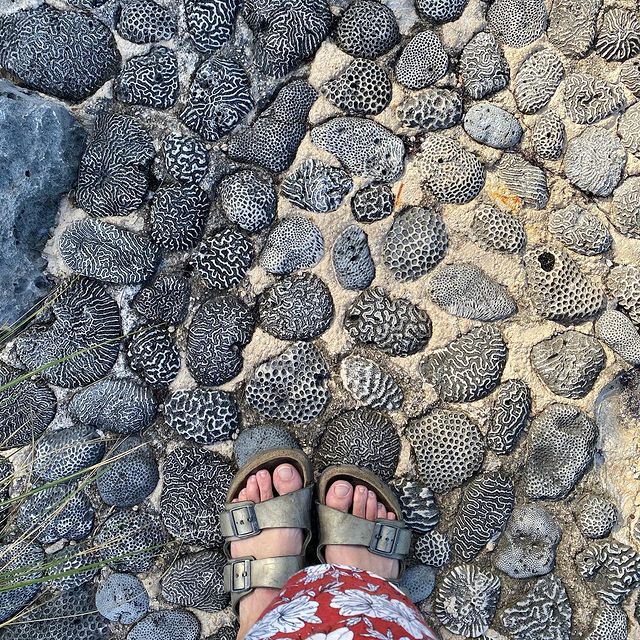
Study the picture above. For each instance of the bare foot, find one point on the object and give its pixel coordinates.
(270, 543)
(362, 503)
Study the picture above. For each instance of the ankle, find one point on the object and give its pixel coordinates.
(252, 607)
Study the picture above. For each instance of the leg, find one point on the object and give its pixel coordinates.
(270, 543)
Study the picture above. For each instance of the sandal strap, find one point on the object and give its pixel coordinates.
(245, 519)
(243, 575)
(387, 538)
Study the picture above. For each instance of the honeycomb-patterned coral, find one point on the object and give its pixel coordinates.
(561, 444)
(422, 62)
(485, 507)
(580, 230)
(292, 386)
(549, 136)
(483, 67)
(248, 198)
(362, 89)
(497, 230)
(509, 415)
(524, 180)
(517, 23)
(416, 242)
(298, 307)
(469, 367)
(537, 80)
(569, 363)
(367, 29)
(144, 21)
(439, 11)
(372, 203)
(396, 326)
(559, 290)
(361, 437)
(431, 109)
(609, 623)
(449, 448)
(466, 291)
(453, 174)
(433, 549)
(370, 384)
(595, 516)
(166, 623)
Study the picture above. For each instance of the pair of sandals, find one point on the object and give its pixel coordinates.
(241, 520)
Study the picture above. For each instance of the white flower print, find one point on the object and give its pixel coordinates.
(314, 573)
(354, 602)
(338, 634)
(285, 618)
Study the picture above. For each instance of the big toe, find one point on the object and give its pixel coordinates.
(340, 496)
(286, 479)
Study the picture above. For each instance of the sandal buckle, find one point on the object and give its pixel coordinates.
(384, 538)
(243, 521)
(237, 575)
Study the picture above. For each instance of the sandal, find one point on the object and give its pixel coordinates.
(241, 520)
(387, 538)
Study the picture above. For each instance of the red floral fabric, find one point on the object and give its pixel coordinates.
(332, 602)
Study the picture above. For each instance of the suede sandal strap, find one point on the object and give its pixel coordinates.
(243, 575)
(245, 519)
(387, 538)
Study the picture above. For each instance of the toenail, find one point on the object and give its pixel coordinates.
(285, 472)
(263, 473)
(372, 494)
(362, 489)
(342, 489)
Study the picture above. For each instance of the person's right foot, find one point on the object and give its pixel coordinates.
(362, 503)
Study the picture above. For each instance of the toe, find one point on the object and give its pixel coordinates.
(382, 512)
(265, 485)
(340, 496)
(242, 495)
(253, 491)
(286, 479)
(391, 515)
(371, 510)
(360, 502)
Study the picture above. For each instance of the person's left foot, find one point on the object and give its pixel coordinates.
(270, 543)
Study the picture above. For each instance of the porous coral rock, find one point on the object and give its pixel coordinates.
(145, 21)
(498, 230)
(367, 29)
(517, 23)
(248, 199)
(352, 261)
(372, 203)
(121, 597)
(422, 62)
(617, 331)
(491, 125)
(431, 109)
(595, 516)
(549, 136)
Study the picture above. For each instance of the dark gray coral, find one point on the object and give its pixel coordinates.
(80, 332)
(66, 54)
(223, 258)
(165, 299)
(185, 159)
(292, 386)
(123, 405)
(220, 329)
(108, 253)
(150, 80)
(130, 475)
(248, 198)
(419, 509)
(361, 437)
(210, 23)
(517, 23)
(367, 29)
(121, 597)
(219, 98)
(372, 203)
(196, 580)
(22, 562)
(396, 326)
(28, 407)
(195, 484)
(469, 367)
(297, 307)
(204, 416)
(509, 415)
(145, 21)
(153, 354)
(178, 216)
(352, 261)
(273, 139)
(112, 179)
